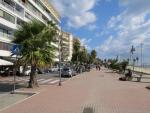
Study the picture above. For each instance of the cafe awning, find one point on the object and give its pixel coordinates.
(5, 63)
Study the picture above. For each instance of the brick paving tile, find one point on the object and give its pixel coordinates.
(93, 92)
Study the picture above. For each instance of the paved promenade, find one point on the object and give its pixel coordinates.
(92, 92)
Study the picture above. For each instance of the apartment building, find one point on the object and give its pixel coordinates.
(15, 12)
(67, 46)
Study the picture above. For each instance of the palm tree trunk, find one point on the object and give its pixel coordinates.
(24, 68)
(33, 81)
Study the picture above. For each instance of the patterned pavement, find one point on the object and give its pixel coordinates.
(41, 81)
(93, 92)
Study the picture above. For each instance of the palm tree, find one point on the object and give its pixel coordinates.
(37, 50)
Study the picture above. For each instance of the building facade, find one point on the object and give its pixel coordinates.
(15, 12)
(67, 46)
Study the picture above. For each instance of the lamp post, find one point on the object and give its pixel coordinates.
(132, 52)
(141, 56)
(60, 59)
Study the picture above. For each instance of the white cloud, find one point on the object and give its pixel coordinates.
(136, 7)
(92, 27)
(130, 27)
(77, 12)
(82, 20)
(106, 44)
(85, 42)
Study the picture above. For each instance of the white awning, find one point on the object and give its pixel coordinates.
(5, 63)
(4, 53)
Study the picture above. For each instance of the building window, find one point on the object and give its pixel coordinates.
(5, 46)
(5, 33)
(1, 32)
(24, 1)
(27, 15)
(7, 16)
(20, 22)
(1, 13)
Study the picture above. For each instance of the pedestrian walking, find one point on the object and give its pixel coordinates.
(99, 67)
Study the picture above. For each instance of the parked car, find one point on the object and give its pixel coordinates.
(27, 72)
(40, 71)
(53, 69)
(6, 71)
(68, 72)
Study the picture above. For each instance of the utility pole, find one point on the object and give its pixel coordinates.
(141, 56)
(132, 52)
(60, 59)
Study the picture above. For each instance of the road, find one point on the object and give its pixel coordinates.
(92, 92)
(6, 83)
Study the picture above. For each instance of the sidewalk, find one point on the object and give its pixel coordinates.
(93, 92)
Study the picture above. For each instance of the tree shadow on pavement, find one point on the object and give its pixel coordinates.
(88, 110)
(8, 87)
(110, 72)
(141, 82)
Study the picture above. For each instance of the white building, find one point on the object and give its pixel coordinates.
(15, 12)
(67, 46)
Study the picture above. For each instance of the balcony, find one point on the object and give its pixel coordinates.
(12, 6)
(33, 10)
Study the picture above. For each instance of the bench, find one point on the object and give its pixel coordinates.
(138, 77)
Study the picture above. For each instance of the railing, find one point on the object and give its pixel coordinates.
(10, 7)
(52, 13)
(7, 5)
(32, 10)
(7, 36)
(52, 9)
(19, 13)
(10, 37)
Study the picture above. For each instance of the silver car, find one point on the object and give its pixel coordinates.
(68, 72)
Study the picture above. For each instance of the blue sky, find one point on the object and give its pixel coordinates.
(109, 26)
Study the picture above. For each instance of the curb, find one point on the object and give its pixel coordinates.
(31, 94)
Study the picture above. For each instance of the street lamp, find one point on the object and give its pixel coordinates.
(141, 56)
(60, 58)
(132, 53)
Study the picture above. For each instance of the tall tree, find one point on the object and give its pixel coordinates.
(83, 55)
(37, 50)
(76, 45)
(93, 56)
(76, 50)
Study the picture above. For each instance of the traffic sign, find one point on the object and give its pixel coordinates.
(16, 49)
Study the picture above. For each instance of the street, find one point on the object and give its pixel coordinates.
(90, 92)
(6, 83)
